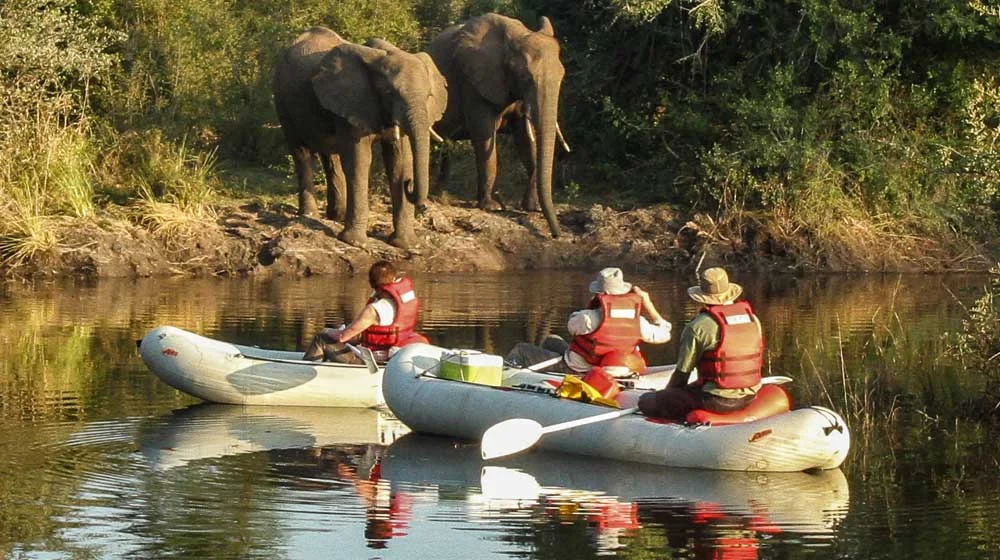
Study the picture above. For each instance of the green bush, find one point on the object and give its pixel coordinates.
(977, 346)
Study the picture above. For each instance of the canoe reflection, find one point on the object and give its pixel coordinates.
(716, 514)
(215, 430)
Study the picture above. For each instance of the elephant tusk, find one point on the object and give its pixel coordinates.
(531, 130)
(562, 140)
(435, 135)
(395, 133)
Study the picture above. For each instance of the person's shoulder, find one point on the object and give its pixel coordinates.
(702, 318)
(703, 322)
(383, 303)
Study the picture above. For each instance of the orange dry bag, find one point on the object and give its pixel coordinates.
(599, 379)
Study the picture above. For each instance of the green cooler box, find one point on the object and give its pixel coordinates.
(472, 366)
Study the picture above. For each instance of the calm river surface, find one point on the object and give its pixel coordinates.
(100, 459)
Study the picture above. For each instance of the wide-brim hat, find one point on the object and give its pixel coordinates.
(610, 281)
(715, 288)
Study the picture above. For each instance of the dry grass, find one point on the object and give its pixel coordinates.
(174, 220)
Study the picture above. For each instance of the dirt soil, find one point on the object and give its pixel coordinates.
(251, 238)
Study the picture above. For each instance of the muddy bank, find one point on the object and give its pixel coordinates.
(249, 238)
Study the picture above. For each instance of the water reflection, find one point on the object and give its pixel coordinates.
(616, 502)
(214, 430)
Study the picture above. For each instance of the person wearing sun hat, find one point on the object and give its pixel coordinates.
(606, 334)
(725, 342)
(609, 331)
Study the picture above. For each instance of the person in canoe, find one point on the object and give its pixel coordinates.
(725, 342)
(607, 333)
(386, 323)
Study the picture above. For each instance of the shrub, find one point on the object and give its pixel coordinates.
(51, 60)
(977, 346)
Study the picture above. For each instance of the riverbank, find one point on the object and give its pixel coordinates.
(256, 237)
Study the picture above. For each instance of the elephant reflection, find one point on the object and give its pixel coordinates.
(500, 73)
(334, 100)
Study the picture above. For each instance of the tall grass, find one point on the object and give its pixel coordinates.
(50, 58)
(976, 347)
(175, 186)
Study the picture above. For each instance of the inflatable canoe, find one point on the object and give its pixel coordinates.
(797, 440)
(221, 372)
(207, 430)
(812, 503)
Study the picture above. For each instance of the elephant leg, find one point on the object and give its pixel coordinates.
(398, 160)
(356, 157)
(482, 123)
(336, 187)
(303, 160)
(526, 151)
(444, 169)
(486, 165)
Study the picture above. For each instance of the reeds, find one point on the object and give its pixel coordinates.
(976, 347)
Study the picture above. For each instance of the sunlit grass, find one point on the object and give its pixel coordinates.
(175, 189)
(43, 177)
(26, 227)
(173, 219)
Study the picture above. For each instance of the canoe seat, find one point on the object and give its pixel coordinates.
(770, 400)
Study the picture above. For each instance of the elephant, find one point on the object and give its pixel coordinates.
(501, 74)
(334, 100)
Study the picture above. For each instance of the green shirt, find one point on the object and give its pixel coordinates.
(702, 334)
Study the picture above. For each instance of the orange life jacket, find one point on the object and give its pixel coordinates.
(734, 363)
(619, 330)
(400, 332)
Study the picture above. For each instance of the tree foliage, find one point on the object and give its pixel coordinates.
(880, 112)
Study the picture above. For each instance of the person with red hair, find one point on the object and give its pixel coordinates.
(385, 324)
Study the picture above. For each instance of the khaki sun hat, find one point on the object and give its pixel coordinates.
(715, 288)
(610, 281)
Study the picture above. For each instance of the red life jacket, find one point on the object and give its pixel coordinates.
(619, 330)
(400, 332)
(599, 379)
(734, 363)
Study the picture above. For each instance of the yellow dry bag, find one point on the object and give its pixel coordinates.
(576, 389)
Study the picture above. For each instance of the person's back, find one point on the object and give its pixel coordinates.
(387, 322)
(725, 343)
(606, 334)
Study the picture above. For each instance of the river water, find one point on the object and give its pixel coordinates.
(100, 459)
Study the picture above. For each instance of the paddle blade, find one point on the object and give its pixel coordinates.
(365, 355)
(509, 437)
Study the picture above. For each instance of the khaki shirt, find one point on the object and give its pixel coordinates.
(702, 334)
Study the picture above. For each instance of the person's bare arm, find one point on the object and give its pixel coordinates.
(647, 305)
(365, 319)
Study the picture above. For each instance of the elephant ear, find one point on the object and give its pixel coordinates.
(439, 88)
(344, 87)
(481, 52)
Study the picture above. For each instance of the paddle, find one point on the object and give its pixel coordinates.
(365, 355)
(544, 364)
(517, 434)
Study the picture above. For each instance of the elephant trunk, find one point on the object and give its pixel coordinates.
(420, 144)
(544, 118)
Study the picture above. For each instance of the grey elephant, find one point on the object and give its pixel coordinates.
(502, 74)
(334, 100)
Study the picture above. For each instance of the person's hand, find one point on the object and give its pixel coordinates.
(333, 334)
(640, 292)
